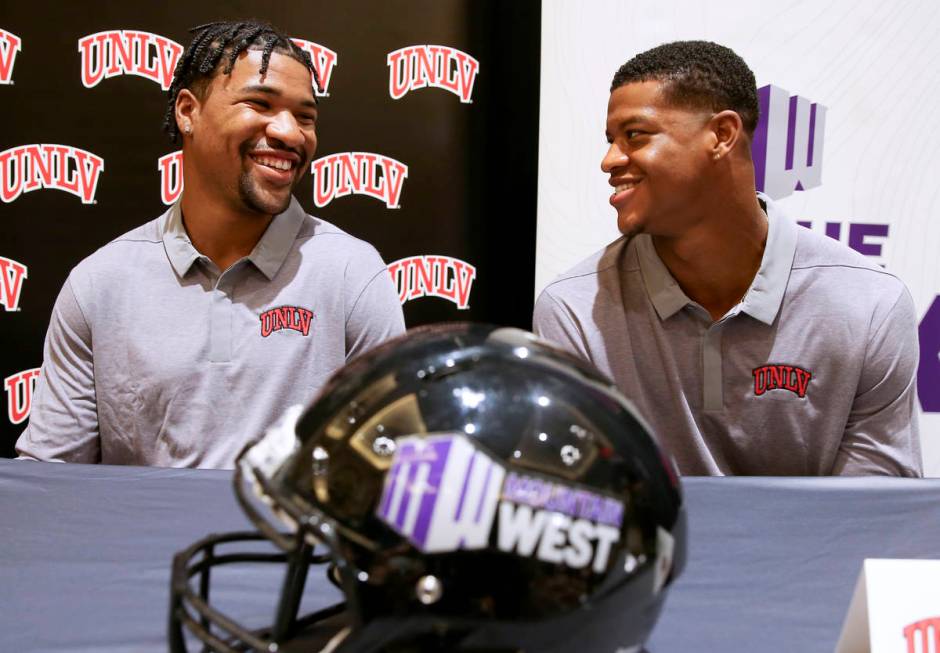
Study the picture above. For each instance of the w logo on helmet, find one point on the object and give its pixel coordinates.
(441, 493)
(788, 143)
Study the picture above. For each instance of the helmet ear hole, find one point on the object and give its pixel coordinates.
(478, 489)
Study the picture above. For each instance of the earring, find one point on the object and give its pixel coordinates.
(187, 129)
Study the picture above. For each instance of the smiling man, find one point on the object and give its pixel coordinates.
(180, 341)
(752, 345)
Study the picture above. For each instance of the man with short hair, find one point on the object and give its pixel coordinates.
(753, 346)
(182, 340)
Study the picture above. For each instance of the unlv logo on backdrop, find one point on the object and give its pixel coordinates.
(30, 167)
(9, 46)
(420, 66)
(433, 276)
(362, 173)
(128, 52)
(921, 630)
(11, 283)
(19, 389)
(324, 61)
(781, 377)
(295, 318)
(171, 176)
(788, 143)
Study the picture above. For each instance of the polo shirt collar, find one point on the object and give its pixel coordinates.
(763, 298)
(268, 255)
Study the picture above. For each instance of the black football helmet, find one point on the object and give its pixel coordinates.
(469, 488)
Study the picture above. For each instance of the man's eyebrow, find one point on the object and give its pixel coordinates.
(271, 90)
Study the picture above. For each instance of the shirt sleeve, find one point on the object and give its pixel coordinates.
(554, 322)
(63, 420)
(881, 435)
(376, 315)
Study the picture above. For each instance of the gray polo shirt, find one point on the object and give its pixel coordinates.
(154, 357)
(813, 373)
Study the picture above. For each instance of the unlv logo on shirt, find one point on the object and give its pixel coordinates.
(433, 276)
(323, 59)
(30, 167)
(286, 317)
(9, 46)
(20, 387)
(440, 66)
(128, 52)
(171, 176)
(362, 173)
(11, 283)
(781, 377)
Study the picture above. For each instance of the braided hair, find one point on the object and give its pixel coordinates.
(220, 40)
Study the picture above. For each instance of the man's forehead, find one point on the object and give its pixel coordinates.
(645, 100)
(284, 74)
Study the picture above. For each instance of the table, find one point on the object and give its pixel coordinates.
(85, 556)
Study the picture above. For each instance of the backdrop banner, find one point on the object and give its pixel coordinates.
(420, 151)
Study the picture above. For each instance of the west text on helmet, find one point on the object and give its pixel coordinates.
(557, 523)
(438, 66)
(128, 52)
(27, 168)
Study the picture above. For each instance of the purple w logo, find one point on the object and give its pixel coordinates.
(441, 493)
(788, 143)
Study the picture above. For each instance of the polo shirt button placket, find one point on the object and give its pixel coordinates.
(220, 334)
(712, 381)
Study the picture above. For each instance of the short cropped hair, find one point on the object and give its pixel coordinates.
(697, 75)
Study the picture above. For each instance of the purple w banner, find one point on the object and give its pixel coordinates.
(788, 143)
(441, 493)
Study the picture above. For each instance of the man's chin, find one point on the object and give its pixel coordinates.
(266, 203)
(629, 226)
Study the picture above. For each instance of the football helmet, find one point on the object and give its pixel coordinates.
(469, 488)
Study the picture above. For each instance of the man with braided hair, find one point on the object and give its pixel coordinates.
(183, 339)
(752, 345)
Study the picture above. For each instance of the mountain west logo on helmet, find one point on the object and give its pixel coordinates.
(11, 283)
(324, 60)
(171, 176)
(294, 318)
(62, 167)
(360, 173)
(444, 494)
(433, 276)
(128, 52)
(440, 66)
(788, 143)
(9, 46)
(20, 387)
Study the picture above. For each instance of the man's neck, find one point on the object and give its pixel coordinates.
(220, 233)
(715, 262)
